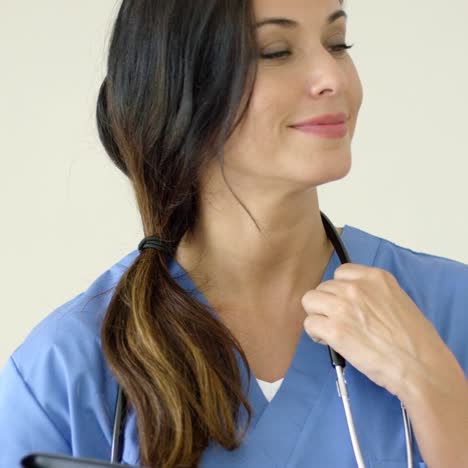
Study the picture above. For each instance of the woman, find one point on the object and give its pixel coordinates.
(219, 342)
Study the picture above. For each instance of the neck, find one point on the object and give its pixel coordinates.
(231, 262)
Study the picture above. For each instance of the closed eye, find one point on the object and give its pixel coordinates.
(340, 48)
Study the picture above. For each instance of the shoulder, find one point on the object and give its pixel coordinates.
(422, 273)
(72, 330)
(438, 285)
(61, 369)
(430, 279)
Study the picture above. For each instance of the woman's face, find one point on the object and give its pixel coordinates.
(309, 78)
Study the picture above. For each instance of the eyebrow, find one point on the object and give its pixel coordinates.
(289, 23)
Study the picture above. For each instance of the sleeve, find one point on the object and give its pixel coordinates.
(56, 392)
(24, 425)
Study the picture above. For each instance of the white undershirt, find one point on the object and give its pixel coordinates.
(269, 389)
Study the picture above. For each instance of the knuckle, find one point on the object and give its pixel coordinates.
(379, 273)
(353, 290)
(387, 279)
(342, 308)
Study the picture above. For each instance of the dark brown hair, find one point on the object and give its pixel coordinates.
(177, 73)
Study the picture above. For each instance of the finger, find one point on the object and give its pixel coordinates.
(322, 303)
(316, 327)
(351, 271)
(335, 287)
(355, 271)
(348, 291)
(364, 285)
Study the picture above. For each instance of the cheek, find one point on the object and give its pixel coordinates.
(267, 100)
(356, 89)
(354, 94)
(271, 106)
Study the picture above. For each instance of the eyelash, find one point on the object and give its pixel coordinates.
(281, 53)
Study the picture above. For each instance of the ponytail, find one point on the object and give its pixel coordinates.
(164, 112)
(175, 363)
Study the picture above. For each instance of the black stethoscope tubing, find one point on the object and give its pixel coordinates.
(121, 401)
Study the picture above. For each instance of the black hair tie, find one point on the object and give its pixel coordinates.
(154, 243)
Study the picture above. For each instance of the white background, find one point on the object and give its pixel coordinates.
(68, 214)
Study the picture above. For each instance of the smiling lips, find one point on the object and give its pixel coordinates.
(328, 125)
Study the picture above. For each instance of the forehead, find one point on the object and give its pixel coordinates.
(310, 10)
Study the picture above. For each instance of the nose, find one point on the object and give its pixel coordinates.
(326, 76)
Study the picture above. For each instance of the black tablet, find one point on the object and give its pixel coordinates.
(43, 460)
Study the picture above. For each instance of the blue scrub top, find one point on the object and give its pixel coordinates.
(57, 394)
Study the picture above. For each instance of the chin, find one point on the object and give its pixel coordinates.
(319, 169)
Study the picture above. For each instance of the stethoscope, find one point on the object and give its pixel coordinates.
(337, 362)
